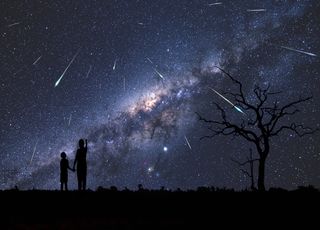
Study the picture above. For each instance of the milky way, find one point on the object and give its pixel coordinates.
(135, 74)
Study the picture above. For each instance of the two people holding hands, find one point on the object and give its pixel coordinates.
(80, 162)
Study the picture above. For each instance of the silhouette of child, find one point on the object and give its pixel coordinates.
(64, 166)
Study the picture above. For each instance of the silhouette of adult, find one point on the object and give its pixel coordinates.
(81, 162)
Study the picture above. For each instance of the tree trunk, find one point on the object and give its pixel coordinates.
(252, 171)
(262, 163)
(252, 175)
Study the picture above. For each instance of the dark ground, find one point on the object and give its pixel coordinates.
(110, 209)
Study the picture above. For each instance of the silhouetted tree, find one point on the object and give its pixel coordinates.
(250, 160)
(264, 120)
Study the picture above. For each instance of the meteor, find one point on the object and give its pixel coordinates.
(233, 105)
(256, 10)
(74, 57)
(13, 24)
(70, 119)
(149, 60)
(115, 64)
(36, 61)
(160, 75)
(215, 4)
(299, 51)
(89, 71)
(14, 74)
(188, 143)
(34, 151)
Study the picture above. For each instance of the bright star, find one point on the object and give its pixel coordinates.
(150, 169)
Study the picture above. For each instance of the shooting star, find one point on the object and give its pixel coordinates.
(13, 24)
(14, 74)
(256, 10)
(299, 51)
(124, 83)
(141, 23)
(64, 72)
(36, 61)
(34, 151)
(233, 105)
(115, 64)
(188, 143)
(149, 60)
(160, 75)
(89, 71)
(215, 4)
(70, 119)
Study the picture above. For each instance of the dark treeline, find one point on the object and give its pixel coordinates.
(113, 208)
(140, 188)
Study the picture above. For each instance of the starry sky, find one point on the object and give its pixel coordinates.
(130, 75)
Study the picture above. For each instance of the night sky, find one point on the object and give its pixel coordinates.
(130, 75)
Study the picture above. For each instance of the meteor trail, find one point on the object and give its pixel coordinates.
(115, 64)
(34, 151)
(149, 60)
(89, 71)
(256, 10)
(234, 106)
(36, 61)
(74, 57)
(160, 75)
(70, 119)
(188, 143)
(215, 4)
(299, 51)
(14, 24)
(14, 74)
(124, 83)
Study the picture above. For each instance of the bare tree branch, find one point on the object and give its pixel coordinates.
(246, 173)
(239, 97)
(280, 113)
(245, 162)
(300, 130)
(226, 128)
(250, 161)
(263, 123)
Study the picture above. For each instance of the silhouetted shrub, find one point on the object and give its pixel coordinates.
(277, 190)
(309, 188)
(203, 189)
(100, 189)
(114, 188)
